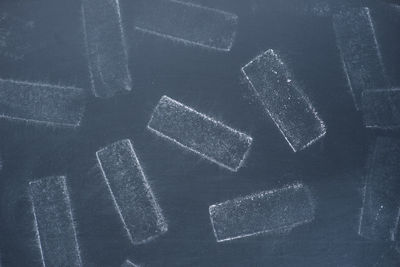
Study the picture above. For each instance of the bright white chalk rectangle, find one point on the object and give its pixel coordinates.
(106, 47)
(381, 108)
(128, 263)
(133, 198)
(379, 217)
(41, 103)
(359, 51)
(273, 211)
(200, 134)
(189, 24)
(287, 105)
(54, 223)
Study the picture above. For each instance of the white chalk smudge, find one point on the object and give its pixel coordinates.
(359, 51)
(189, 24)
(379, 217)
(41, 103)
(274, 211)
(54, 222)
(289, 108)
(128, 263)
(13, 34)
(106, 47)
(381, 108)
(131, 193)
(200, 134)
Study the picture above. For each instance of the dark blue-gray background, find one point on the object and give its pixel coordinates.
(47, 45)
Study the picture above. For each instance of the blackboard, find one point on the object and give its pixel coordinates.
(47, 45)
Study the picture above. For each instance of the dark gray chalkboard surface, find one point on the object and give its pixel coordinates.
(43, 41)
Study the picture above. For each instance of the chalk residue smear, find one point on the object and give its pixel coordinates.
(47, 104)
(131, 193)
(274, 211)
(282, 99)
(359, 50)
(14, 31)
(200, 134)
(106, 47)
(390, 258)
(381, 108)
(128, 263)
(188, 24)
(379, 217)
(54, 223)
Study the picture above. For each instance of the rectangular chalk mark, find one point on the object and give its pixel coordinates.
(54, 223)
(128, 263)
(41, 103)
(379, 217)
(106, 47)
(381, 108)
(359, 51)
(189, 24)
(200, 134)
(287, 105)
(274, 211)
(133, 198)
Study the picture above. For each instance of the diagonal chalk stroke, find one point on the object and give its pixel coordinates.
(200, 134)
(289, 108)
(273, 211)
(128, 263)
(132, 196)
(54, 223)
(379, 216)
(359, 51)
(189, 24)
